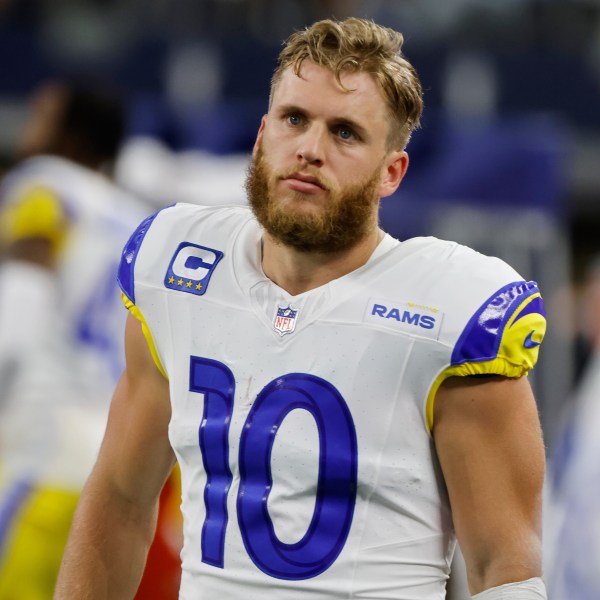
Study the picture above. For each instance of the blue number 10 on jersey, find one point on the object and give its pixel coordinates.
(337, 478)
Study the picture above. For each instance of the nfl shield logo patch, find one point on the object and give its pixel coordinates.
(285, 319)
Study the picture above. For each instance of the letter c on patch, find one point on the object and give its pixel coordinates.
(194, 263)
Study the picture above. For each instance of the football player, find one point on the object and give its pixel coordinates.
(341, 403)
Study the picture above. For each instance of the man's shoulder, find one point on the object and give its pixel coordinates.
(198, 213)
(214, 224)
(442, 263)
(187, 237)
(191, 220)
(455, 283)
(493, 318)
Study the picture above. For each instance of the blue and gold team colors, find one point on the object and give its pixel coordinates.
(302, 424)
(54, 406)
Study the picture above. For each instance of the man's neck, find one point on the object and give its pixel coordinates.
(297, 272)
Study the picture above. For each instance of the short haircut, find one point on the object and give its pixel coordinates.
(360, 45)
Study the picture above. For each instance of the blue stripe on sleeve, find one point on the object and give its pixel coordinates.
(125, 275)
(481, 337)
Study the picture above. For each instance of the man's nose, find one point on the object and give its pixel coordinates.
(311, 148)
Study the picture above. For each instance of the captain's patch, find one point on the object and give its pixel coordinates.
(410, 317)
(191, 268)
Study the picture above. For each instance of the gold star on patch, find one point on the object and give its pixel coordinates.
(188, 284)
(180, 282)
(198, 286)
(171, 279)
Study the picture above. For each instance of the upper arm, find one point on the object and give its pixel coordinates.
(136, 457)
(489, 443)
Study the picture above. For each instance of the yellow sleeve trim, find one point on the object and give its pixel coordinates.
(39, 213)
(137, 313)
(497, 366)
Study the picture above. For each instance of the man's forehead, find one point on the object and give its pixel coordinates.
(357, 90)
(311, 72)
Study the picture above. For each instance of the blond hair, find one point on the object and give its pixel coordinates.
(360, 45)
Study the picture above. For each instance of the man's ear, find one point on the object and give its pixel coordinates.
(261, 129)
(393, 171)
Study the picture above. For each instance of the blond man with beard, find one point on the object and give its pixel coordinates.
(340, 402)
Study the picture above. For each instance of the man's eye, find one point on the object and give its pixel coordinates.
(294, 119)
(345, 133)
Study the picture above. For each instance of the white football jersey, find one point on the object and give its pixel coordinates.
(302, 423)
(53, 420)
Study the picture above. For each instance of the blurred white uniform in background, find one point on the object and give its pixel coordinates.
(572, 531)
(62, 226)
(60, 355)
(67, 332)
(152, 171)
(572, 509)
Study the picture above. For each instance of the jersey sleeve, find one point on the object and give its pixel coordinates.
(126, 272)
(502, 337)
(127, 281)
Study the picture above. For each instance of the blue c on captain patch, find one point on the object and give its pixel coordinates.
(191, 268)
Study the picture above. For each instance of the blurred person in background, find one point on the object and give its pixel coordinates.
(62, 225)
(149, 169)
(339, 401)
(572, 516)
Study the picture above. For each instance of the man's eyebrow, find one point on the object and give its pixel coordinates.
(285, 109)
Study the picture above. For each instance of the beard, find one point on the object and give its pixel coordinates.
(347, 217)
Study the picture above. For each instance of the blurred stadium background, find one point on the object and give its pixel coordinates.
(508, 159)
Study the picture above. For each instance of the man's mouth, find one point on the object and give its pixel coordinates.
(304, 183)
